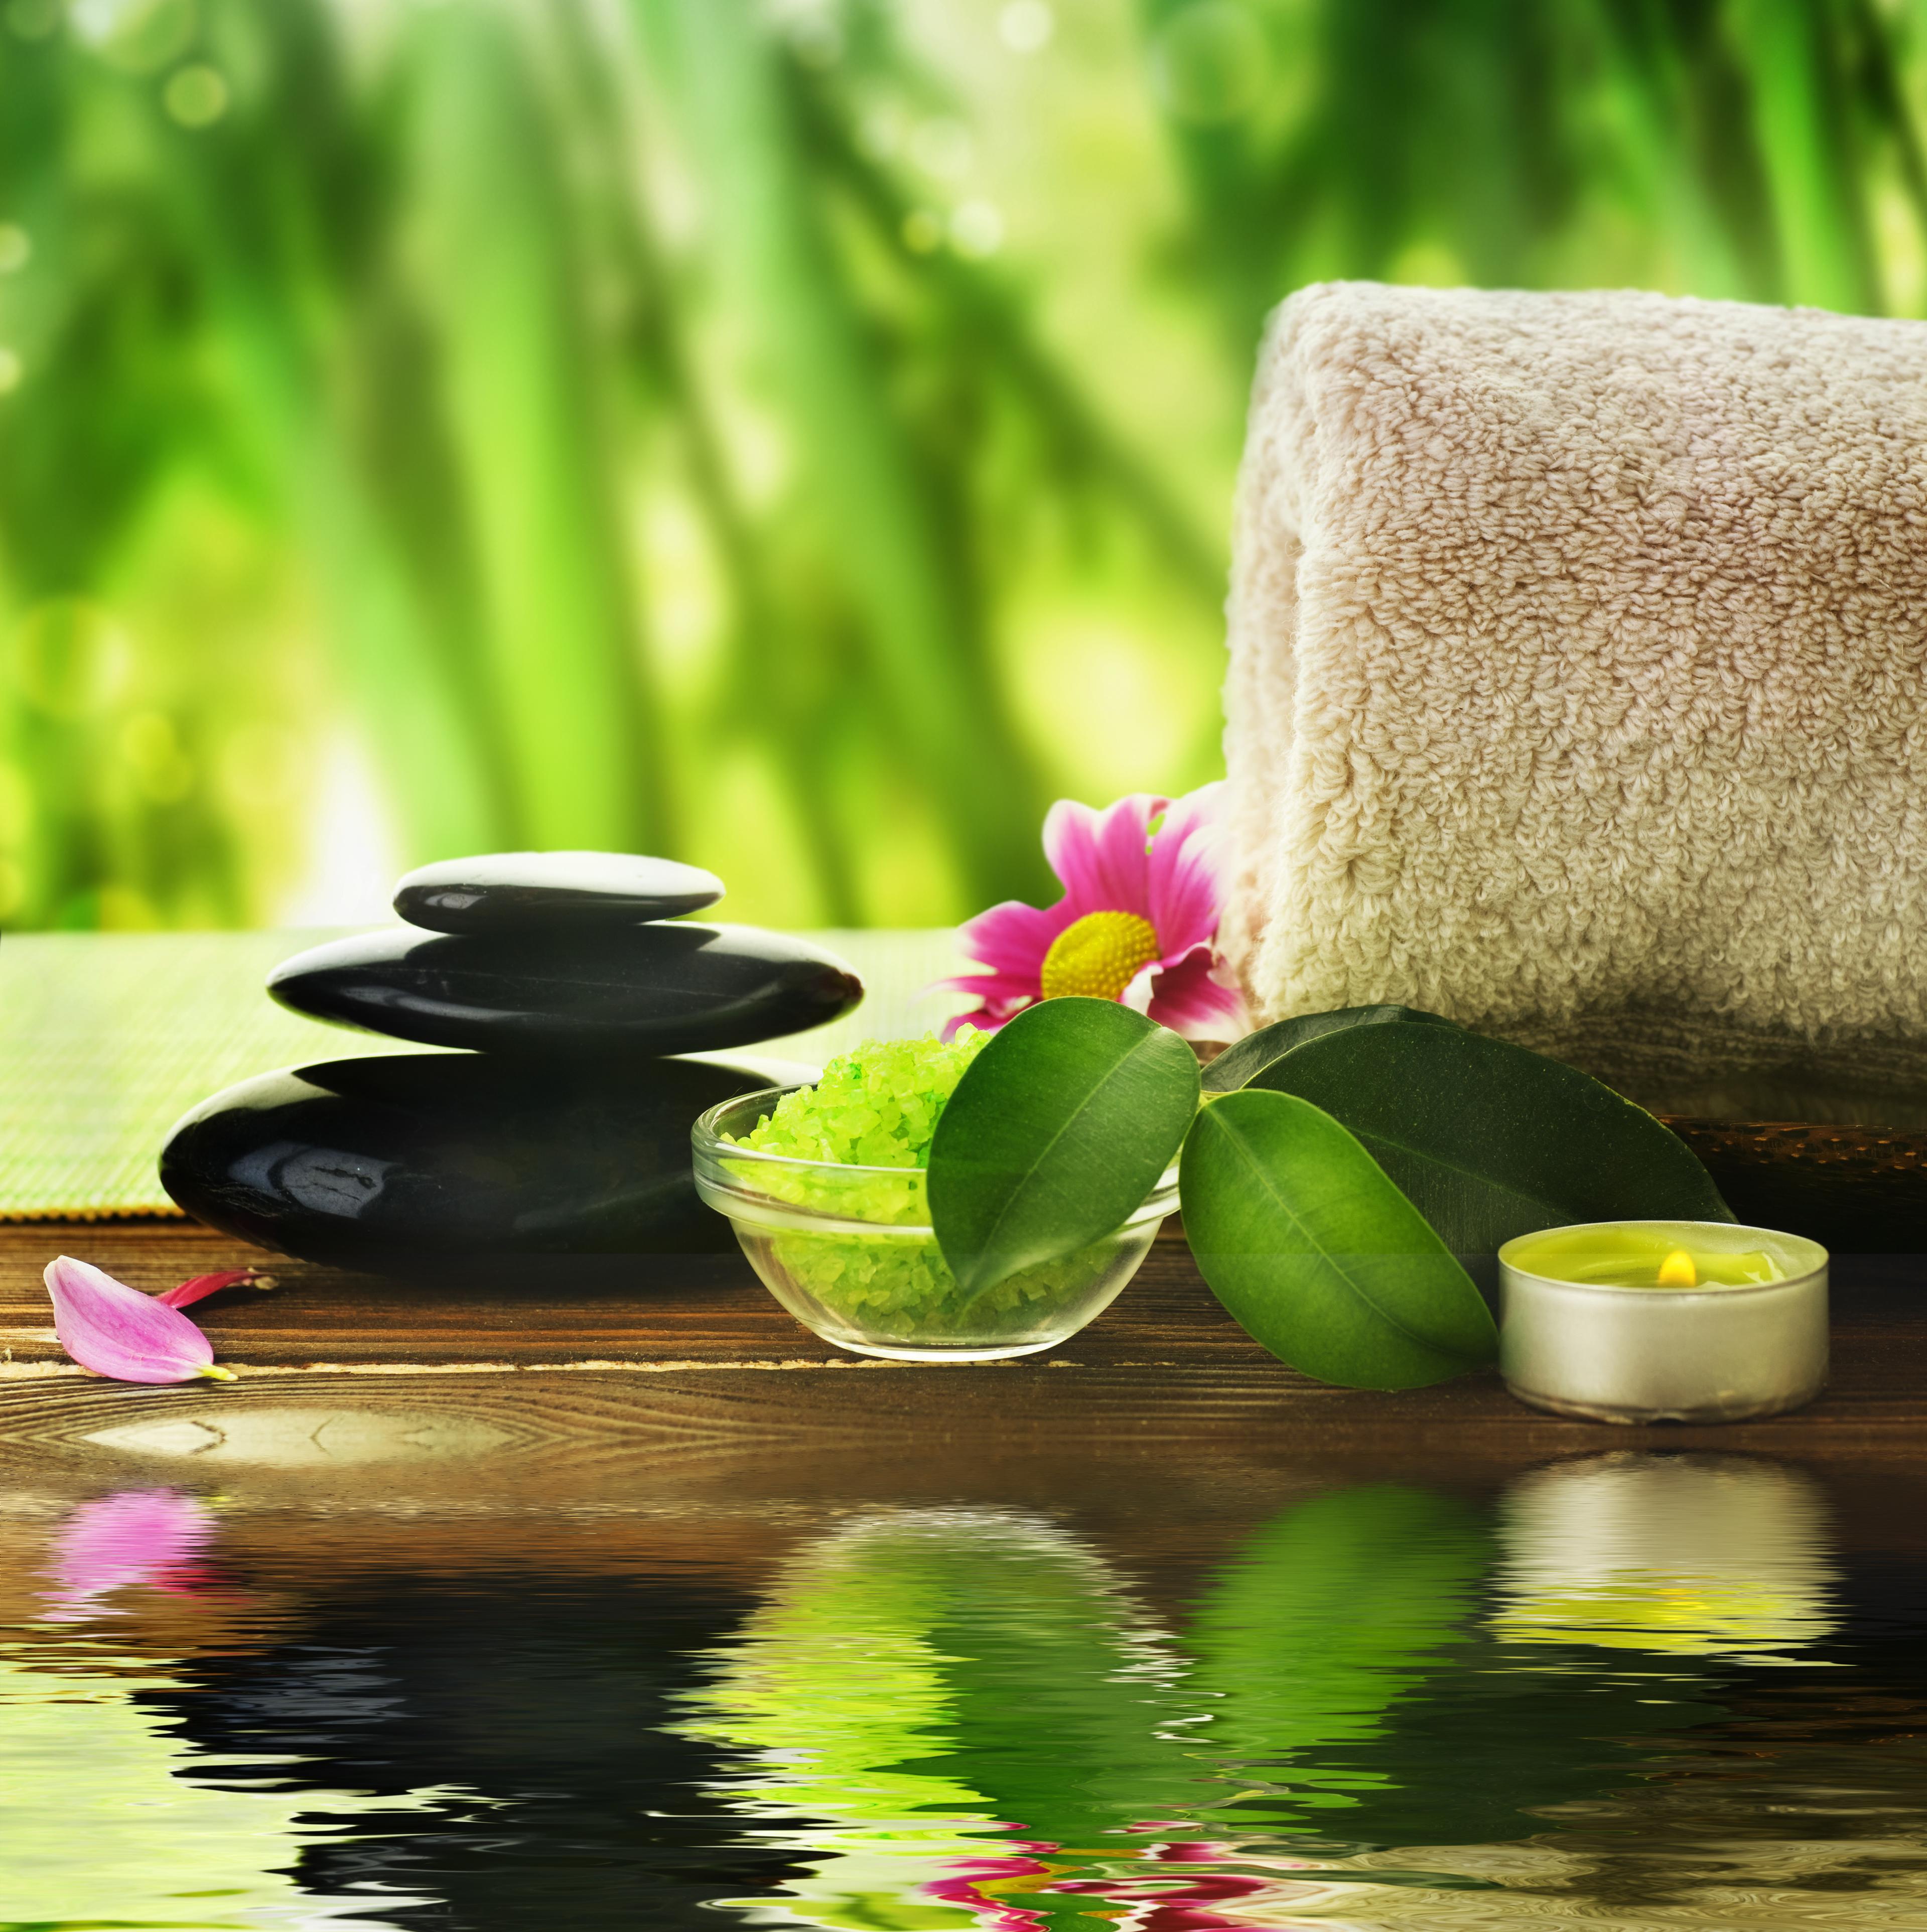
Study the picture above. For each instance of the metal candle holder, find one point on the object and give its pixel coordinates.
(1712, 1353)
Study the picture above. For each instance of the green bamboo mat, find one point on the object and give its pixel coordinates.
(107, 1039)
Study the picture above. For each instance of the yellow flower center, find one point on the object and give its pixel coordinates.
(1099, 955)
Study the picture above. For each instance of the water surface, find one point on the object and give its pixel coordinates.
(1625, 1691)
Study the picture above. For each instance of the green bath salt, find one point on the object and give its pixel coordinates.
(873, 1114)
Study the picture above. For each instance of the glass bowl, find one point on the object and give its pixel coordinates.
(849, 1251)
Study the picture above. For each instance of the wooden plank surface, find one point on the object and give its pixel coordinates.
(339, 1369)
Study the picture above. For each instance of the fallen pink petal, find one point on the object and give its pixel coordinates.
(116, 1331)
(198, 1288)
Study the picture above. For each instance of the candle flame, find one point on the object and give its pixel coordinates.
(1677, 1270)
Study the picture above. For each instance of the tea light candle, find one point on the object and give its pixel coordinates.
(1663, 1320)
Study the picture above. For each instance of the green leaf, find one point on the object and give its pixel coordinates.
(1059, 1130)
(1241, 1063)
(1317, 1255)
(1489, 1140)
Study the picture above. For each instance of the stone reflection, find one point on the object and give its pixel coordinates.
(1715, 1557)
(112, 1817)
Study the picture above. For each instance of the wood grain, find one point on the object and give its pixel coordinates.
(438, 1389)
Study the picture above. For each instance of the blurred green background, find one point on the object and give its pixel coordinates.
(796, 437)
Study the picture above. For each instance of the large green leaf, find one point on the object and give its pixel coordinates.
(1239, 1065)
(1489, 1140)
(1058, 1130)
(1317, 1255)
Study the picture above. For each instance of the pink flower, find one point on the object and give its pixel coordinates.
(1138, 922)
(106, 1326)
(137, 1536)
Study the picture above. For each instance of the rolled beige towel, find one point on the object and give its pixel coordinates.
(1579, 664)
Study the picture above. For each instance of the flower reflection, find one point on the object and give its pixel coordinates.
(1717, 1556)
(154, 1537)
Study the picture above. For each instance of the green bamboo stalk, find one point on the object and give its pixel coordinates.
(1696, 154)
(1882, 88)
(862, 485)
(1793, 52)
(519, 377)
(987, 313)
(770, 690)
(263, 207)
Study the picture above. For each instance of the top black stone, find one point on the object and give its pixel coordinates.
(545, 891)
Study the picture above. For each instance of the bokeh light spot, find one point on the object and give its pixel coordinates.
(944, 148)
(262, 767)
(1026, 25)
(70, 657)
(16, 247)
(977, 230)
(136, 36)
(923, 231)
(10, 370)
(196, 96)
(17, 806)
(151, 747)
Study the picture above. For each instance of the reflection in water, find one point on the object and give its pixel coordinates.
(106, 1821)
(150, 1537)
(898, 1681)
(1691, 1556)
(1635, 1692)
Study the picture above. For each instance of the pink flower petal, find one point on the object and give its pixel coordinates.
(136, 1536)
(1014, 938)
(1100, 856)
(106, 1326)
(1187, 996)
(991, 988)
(1184, 884)
(198, 1288)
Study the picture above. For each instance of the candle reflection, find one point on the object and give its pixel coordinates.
(1719, 1556)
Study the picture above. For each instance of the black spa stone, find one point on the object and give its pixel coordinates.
(439, 1165)
(548, 891)
(633, 992)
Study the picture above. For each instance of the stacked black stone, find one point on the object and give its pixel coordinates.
(565, 1134)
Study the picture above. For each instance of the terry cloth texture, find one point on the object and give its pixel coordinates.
(1579, 667)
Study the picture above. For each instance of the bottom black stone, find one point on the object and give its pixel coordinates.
(455, 1165)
